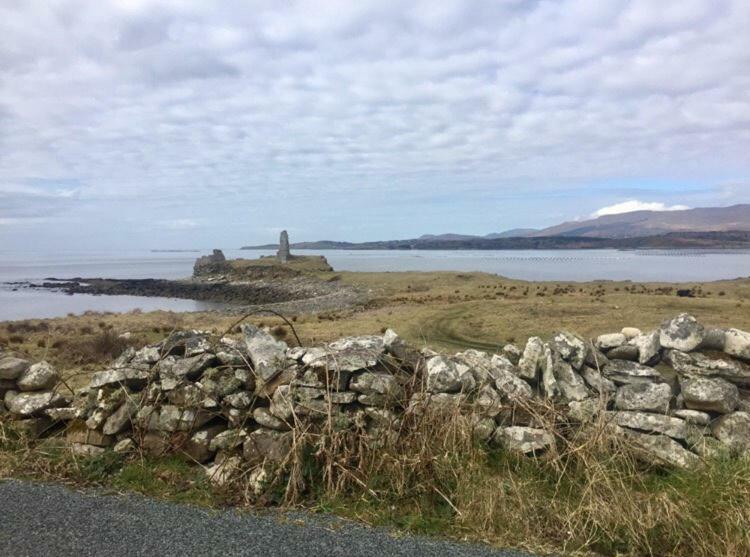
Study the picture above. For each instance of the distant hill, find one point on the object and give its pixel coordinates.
(446, 237)
(711, 227)
(674, 240)
(513, 233)
(651, 223)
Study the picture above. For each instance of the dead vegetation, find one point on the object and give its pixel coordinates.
(590, 495)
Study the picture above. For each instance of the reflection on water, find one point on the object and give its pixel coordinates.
(26, 303)
(553, 265)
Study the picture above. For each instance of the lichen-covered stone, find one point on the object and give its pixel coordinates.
(34, 403)
(400, 349)
(186, 344)
(173, 418)
(77, 432)
(623, 372)
(12, 368)
(571, 348)
(734, 431)
(522, 439)
(648, 347)
(631, 332)
(190, 368)
(219, 382)
(696, 364)
(713, 339)
(124, 446)
(119, 421)
(375, 382)
(512, 388)
(221, 473)
(480, 365)
(483, 429)
(583, 411)
(710, 395)
(529, 364)
(597, 381)
(239, 400)
(624, 352)
(38, 377)
(571, 385)
(267, 354)
(197, 447)
(550, 388)
(488, 401)
(609, 341)
(86, 451)
(651, 423)
(227, 440)
(737, 343)
(661, 449)
(147, 355)
(512, 352)
(442, 375)
(648, 397)
(132, 377)
(266, 445)
(694, 417)
(595, 358)
(681, 333)
(266, 419)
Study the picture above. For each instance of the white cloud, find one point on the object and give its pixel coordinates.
(635, 205)
(179, 224)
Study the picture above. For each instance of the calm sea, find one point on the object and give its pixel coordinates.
(554, 265)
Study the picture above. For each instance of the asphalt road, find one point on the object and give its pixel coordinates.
(41, 520)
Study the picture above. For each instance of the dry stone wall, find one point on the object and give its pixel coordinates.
(229, 404)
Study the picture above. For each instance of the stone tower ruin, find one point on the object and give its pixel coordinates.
(283, 254)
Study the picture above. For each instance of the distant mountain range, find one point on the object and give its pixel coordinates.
(712, 227)
(652, 223)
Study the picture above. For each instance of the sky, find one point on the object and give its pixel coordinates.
(194, 124)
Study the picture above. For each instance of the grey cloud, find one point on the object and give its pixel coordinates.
(19, 202)
(186, 104)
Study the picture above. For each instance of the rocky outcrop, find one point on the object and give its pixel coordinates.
(240, 404)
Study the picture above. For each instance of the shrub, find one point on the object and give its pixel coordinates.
(279, 332)
(101, 347)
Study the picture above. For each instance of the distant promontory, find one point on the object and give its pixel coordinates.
(703, 228)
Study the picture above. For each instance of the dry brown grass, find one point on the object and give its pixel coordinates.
(487, 312)
(592, 494)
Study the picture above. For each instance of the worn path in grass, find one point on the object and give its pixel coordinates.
(53, 520)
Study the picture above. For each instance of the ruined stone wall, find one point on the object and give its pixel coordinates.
(231, 404)
(211, 264)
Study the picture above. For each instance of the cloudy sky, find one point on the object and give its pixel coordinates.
(178, 124)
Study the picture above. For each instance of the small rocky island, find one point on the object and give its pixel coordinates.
(285, 282)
